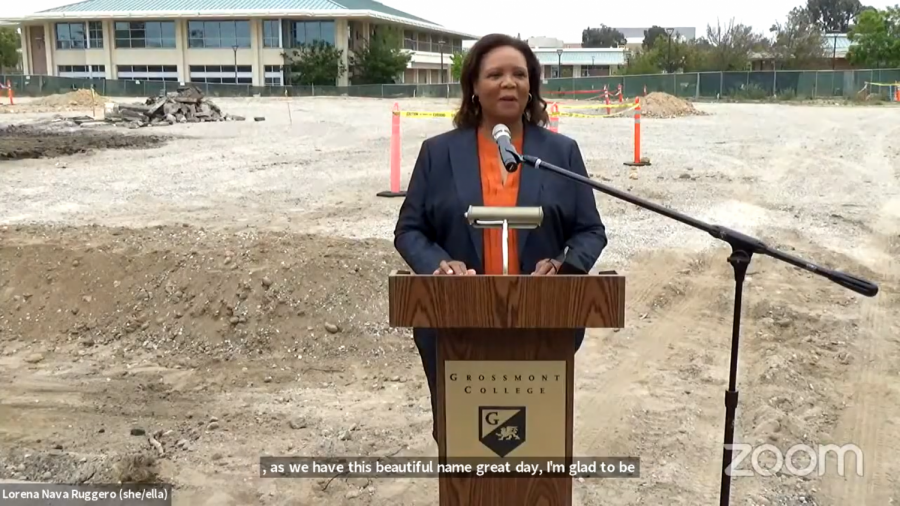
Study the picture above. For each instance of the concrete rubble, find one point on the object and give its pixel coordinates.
(187, 105)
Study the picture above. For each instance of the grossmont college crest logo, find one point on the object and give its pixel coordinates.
(502, 428)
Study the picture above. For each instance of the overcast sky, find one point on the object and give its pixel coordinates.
(566, 19)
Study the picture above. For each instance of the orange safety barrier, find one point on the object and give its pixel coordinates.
(897, 93)
(9, 92)
(554, 117)
(638, 161)
(395, 155)
(606, 98)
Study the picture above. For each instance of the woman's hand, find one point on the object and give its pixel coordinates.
(453, 268)
(546, 267)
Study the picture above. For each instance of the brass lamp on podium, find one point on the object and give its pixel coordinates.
(505, 218)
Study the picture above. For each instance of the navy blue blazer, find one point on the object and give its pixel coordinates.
(446, 180)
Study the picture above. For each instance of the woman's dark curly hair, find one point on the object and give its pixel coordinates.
(469, 114)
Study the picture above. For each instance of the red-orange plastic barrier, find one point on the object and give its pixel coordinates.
(606, 98)
(554, 117)
(574, 92)
(395, 155)
(9, 92)
(638, 162)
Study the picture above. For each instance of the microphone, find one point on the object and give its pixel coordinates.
(507, 152)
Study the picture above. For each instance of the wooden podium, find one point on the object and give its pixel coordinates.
(506, 352)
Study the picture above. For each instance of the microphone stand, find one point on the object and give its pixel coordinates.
(743, 247)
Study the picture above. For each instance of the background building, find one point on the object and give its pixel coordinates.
(561, 59)
(218, 41)
(635, 36)
(835, 49)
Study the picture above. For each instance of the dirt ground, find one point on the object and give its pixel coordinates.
(19, 142)
(224, 295)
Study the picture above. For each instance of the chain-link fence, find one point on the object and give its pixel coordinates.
(747, 85)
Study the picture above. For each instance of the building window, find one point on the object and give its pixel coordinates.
(95, 35)
(147, 72)
(219, 34)
(82, 71)
(274, 75)
(306, 32)
(74, 36)
(271, 33)
(145, 34)
(221, 74)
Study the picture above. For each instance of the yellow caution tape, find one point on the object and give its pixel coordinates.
(595, 106)
(615, 115)
(885, 84)
(418, 114)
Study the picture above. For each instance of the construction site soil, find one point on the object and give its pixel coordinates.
(175, 315)
(18, 142)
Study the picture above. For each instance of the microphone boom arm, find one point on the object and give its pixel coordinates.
(737, 240)
(743, 247)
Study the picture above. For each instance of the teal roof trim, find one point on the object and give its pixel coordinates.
(225, 5)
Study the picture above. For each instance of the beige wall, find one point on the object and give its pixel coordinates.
(183, 57)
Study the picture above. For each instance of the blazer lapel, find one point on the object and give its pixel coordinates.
(530, 179)
(467, 176)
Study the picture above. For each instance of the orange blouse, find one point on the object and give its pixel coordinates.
(497, 194)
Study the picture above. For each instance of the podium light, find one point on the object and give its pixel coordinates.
(505, 218)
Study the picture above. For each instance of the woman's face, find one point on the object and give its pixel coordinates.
(502, 85)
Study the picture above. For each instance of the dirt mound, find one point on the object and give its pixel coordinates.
(187, 294)
(77, 98)
(183, 339)
(19, 142)
(663, 105)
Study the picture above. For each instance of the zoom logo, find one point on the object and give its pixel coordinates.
(797, 460)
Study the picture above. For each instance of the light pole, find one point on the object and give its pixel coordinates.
(559, 53)
(235, 48)
(443, 73)
(669, 31)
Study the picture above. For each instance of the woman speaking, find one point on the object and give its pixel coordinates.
(500, 83)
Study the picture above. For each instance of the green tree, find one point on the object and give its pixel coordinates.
(836, 16)
(456, 63)
(731, 46)
(651, 34)
(380, 60)
(602, 37)
(317, 63)
(876, 39)
(798, 43)
(644, 62)
(9, 47)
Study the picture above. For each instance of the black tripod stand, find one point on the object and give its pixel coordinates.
(742, 249)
